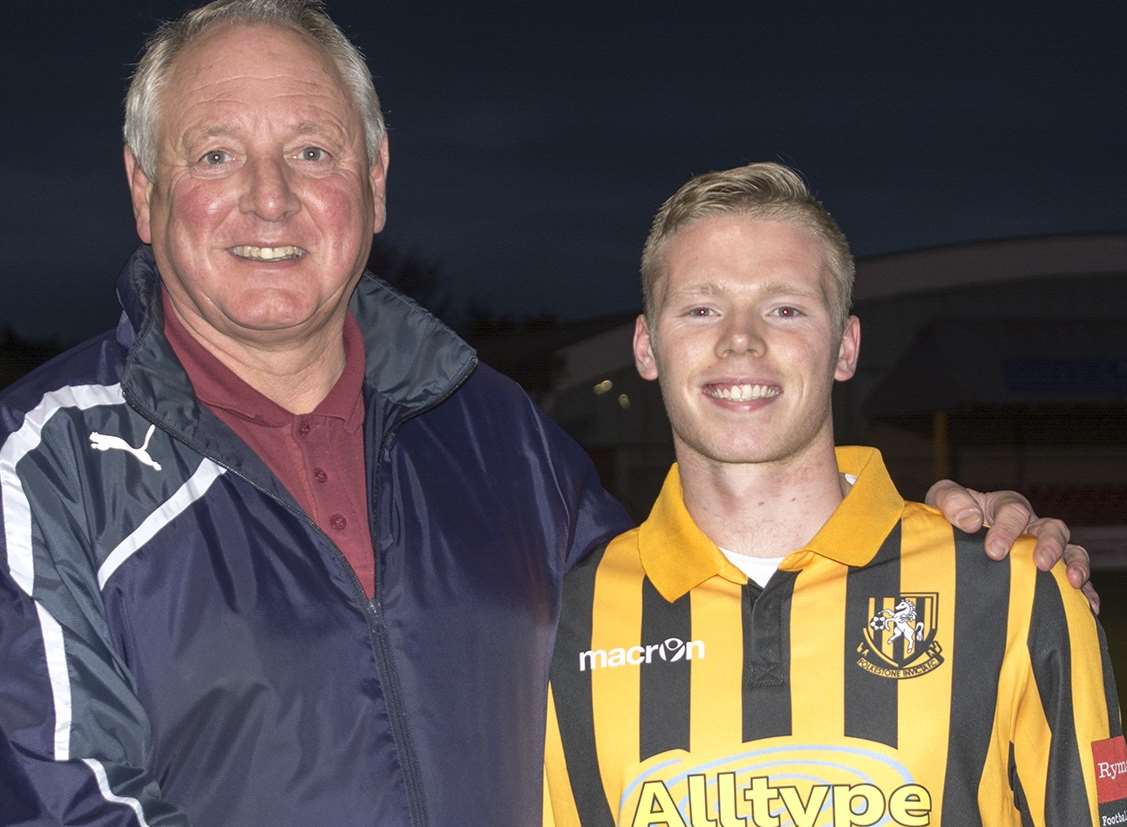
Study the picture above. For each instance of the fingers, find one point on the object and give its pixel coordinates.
(1080, 572)
(958, 504)
(1008, 515)
(1089, 591)
(1078, 562)
(1052, 545)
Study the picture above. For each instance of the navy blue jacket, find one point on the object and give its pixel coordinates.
(179, 643)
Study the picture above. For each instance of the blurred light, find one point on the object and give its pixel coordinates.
(603, 387)
(623, 401)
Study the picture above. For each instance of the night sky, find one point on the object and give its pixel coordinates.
(530, 143)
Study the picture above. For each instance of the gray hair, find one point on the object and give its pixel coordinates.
(142, 102)
(764, 190)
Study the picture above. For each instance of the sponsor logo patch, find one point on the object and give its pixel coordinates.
(899, 639)
(1109, 761)
(777, 782)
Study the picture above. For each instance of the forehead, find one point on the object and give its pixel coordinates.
(250, 66)
(744, 249)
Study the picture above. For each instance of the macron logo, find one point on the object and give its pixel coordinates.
(670, 650)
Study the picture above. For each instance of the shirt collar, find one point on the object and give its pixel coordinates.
(217, 385)
(677, 556)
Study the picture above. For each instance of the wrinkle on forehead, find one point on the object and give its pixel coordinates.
(331, 129)
(238, 74)
(213, 61)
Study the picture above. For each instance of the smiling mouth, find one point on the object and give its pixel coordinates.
(742, 393)
(286, 253)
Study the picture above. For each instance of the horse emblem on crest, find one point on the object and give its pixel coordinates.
(899, 638)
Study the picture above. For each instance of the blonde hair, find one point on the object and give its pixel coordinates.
(764, 190)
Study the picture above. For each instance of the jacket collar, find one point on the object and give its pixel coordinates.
(677, 556)
(412, 361)
(411, 358)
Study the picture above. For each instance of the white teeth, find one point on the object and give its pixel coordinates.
(743, 393)
(267, 253)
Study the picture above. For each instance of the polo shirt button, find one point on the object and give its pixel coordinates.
(320, 475)
(303, 429)
(338, 522)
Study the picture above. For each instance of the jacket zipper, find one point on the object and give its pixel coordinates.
(372, 614)
(373, 609)
(400, 730)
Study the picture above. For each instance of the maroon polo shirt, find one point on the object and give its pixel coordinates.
(318, 456)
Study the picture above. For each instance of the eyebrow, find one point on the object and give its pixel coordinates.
(220, 130)
(771, 288)
(703, 288)
(204, 133)
(310, 128)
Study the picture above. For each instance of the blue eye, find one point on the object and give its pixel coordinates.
(312, 153)
(215, 157)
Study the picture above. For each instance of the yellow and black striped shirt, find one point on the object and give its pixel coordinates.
(889, 673)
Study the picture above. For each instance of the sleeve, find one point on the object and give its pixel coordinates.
(594, 516)
(1068, 740)
(73, 735)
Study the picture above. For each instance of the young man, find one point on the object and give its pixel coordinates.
(785, 641)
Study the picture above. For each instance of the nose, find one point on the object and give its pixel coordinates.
(269, 193)
(741, 336)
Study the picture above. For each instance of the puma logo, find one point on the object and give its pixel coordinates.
(107, 442)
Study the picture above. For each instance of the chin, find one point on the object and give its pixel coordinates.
(746, 456)
(766, 446)
(271, 311)
(730, 452)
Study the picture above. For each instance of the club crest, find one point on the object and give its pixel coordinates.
(899, 638)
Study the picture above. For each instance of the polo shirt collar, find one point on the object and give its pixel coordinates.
(218, 386)
(677, 556)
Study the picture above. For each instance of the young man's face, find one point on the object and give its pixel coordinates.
(744, 341)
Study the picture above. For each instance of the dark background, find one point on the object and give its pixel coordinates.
(531, 143)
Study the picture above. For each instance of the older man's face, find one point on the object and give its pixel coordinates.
(263, 206)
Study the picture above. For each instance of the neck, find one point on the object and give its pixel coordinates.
(763, 509)
(296, 374)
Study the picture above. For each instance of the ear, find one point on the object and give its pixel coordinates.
(140, 192)
(378, 180)
(849, 350)
(644, 359)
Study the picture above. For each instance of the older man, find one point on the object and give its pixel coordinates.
(277, 550)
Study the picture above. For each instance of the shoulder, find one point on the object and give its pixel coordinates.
(933, 549)
(612, 569)
(492, 408)
(924, 530)
(617, 557)
(98, 360)
(84, 377)
(488, 386)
